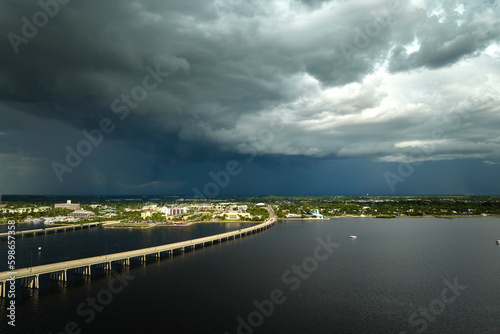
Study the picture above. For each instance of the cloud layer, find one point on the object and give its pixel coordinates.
(384, 81)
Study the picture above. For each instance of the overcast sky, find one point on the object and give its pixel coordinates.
(267, 97)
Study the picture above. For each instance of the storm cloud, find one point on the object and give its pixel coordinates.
(284, 87)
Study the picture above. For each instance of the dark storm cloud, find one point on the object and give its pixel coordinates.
(235, 67)
(448, 34)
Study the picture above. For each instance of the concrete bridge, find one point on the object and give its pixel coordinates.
(30, 277)
(44, 231)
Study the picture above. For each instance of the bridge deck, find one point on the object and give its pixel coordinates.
(61, 266)
(48, 229)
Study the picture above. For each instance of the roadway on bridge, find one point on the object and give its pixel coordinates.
(54, 267)
(49, 229)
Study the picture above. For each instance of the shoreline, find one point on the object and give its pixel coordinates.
(142, 227)
(210, 221)
(382, 217)
(123, 227)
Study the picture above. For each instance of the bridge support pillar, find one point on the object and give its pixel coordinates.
(62, 276)
(31, 282)
(86, 271)
(34, 282)
(3, 290)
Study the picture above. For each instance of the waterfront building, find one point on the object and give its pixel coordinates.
(146, 214)
(173, 211)
(237, 215)
(81, 213)
(25, 210)
(316, 214)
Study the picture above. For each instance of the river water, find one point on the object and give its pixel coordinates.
(408, 275)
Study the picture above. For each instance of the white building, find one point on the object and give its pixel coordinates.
(317, 215)
(146, 214)
(67, 205)
(25, 210)
(237, 215)
(173, 211)
(150, 207)
(82, 213)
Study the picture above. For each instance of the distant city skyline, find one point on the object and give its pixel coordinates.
(227, 97)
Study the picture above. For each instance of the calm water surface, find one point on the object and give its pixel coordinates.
(394, 278)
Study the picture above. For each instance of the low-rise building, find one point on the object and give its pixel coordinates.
(146, 214)
(316, 214)
(174, 211)
(67, 205)
(25, 210)
(82, 213)
(237, 215)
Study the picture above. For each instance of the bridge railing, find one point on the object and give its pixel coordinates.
(96, 260)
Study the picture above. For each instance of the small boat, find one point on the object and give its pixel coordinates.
(354, 236)
(498, 242)
(39, 249)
